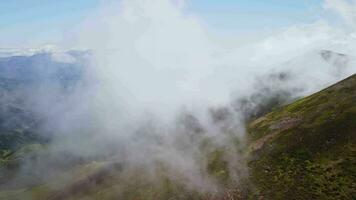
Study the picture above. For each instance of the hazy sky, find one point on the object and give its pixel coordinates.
(30, 22)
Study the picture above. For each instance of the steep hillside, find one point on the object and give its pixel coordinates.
(304, 150)
(307, 149)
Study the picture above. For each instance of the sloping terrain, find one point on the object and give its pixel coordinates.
(304, 150)
(307, 149)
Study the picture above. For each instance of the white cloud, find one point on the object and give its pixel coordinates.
(152, 57)
(344, 8)
(63, 57)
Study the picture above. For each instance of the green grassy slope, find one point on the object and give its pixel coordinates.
(304, 150)
(307, 150)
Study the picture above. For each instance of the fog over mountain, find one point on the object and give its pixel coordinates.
(154, 93)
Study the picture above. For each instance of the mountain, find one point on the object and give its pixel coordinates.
(296, 148)
(303, 150)
(307, 149)
(289, 80)
(24, 79)
(41, 68)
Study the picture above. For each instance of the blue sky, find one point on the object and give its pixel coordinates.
(255, 14)
(44, 21)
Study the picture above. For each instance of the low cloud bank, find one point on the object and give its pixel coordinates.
(157, 92)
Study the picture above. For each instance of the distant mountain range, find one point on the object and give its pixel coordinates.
(296, 147)
(41, 68)
(21, 79)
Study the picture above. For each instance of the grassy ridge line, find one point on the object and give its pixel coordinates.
(307, 149)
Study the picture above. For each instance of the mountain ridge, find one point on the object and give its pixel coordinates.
(314, 139)
(300, 140)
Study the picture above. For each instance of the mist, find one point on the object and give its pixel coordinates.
(157, 90)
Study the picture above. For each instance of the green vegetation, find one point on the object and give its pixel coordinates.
(304, 150)
(312, 154)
